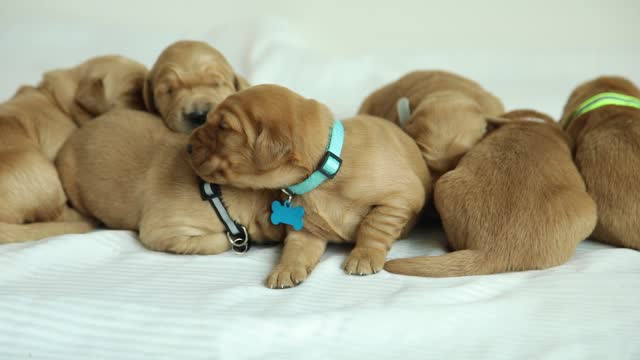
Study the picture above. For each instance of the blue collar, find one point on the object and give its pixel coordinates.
(329, 165)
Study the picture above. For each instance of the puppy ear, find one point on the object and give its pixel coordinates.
(92, 96)
(271, 149)
(494, 122)
(147, 95)
(62, 85)
(240, 83)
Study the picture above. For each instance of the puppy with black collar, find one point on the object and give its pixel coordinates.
(127, 170)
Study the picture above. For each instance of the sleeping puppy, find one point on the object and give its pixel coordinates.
(189, 79)
(516, 201)
(445, 113)
(35, 123)
(127, 170)
(607, 153)
(268, 137)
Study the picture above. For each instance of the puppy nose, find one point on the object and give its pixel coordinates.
(197, 118)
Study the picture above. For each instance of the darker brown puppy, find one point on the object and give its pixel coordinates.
(268, 137)
(607, 153)
(34, 125)
(189, 79)
(515, 202)
(445, 114)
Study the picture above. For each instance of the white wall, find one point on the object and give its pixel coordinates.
(351, 26)
(530, 53)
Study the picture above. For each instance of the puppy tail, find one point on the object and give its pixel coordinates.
(456, 263)
(15, 233)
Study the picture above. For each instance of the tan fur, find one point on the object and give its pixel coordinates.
(189, 77)
(447, 114)
(270, 137)
(607, 153)
(130, 172)
(34, 125)
(515, 202)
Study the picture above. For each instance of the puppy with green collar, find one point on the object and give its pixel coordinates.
(603, 118)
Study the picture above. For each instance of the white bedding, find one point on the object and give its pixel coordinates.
(102, 295)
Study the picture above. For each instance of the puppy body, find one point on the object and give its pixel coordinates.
(516, 201)
(129, 171)
(447, 113)
(270, 137)
(34, 125)
(187, 80)
(607, 153)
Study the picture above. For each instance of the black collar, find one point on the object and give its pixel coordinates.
(236, 233)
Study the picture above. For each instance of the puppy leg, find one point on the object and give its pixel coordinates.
(183, 240)
(300, 254)
(379, 229)
(72, 215)
(14, 233)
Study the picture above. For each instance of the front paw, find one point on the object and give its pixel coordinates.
(364, 261)
(287, 276)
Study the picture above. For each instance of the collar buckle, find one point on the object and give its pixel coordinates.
(330, 164)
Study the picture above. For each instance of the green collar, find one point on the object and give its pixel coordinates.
(600, 100)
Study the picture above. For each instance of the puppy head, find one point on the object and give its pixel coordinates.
(97, 86)
(264, 137)
(189, 79)
(589, 89)
(445, 126)
(526, 117)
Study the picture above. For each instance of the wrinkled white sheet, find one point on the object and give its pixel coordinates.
(103, 296)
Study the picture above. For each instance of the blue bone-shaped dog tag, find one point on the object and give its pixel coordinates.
(283, 213)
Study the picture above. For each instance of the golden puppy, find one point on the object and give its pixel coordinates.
(127, 170)
(188, 79)
(268, 137)
(515, 201)
(35, 123)
(607, 154)
(445, 114)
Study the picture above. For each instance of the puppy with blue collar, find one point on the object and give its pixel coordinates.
(603, 118)
(129, 171)
(359, 181)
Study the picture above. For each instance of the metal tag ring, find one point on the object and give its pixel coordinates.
(239, 242)
(242, 250)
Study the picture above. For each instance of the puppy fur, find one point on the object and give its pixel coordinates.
(34, 125)
(188, 79)
(516, 201)
(127, 170)
(268, 137)
(607, 153)
(447, 114)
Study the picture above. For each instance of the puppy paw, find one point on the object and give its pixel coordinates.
(287, 276)
(364, 261)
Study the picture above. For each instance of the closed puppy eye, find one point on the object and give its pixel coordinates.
(223, 125)
(169, 90)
